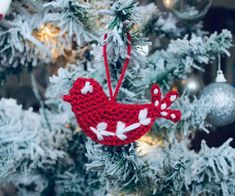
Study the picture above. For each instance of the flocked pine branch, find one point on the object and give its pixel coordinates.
(19, 48)
(182, 55)
(25, 147)
(33, 156)
(122, 18)
(177, 61)
(55, 162)
(73, 178)
(169, 171)
(194, 115)
(212, 171)
(72, 18)
(22, 39)
(117, 166)
(154, 21)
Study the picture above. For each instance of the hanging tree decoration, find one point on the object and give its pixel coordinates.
(4, 7)
(221, 98)
(111, 123)
(192, 85)
(189, 10)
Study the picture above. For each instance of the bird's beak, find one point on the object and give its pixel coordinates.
(67, 98)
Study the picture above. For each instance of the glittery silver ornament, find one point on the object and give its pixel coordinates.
(188, 9)
(221, 99)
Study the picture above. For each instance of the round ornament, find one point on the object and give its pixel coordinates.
(4, 7)
(221, 99)
(192, 85)
(188, 9)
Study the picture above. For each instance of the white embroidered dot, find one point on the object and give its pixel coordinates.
(173, 98)
(164, 113)
(173, 116)
(156, 103)
(155, 91)
(163, 106)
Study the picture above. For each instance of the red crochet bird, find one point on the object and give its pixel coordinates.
(112, 123)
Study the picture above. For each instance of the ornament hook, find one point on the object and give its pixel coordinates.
(220, 75)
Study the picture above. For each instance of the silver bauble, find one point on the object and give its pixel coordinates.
(192, 85)
(188, 9)
(220, 97)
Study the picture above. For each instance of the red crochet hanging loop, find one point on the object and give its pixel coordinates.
(126, 62)
(111, 123)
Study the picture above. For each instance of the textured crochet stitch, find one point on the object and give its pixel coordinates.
(109, 122)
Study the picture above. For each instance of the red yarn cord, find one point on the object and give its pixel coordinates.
(107, 68)
(126, 62)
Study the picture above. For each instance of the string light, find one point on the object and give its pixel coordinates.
(148, 142)
(168, 3)
(48, 35)
(61, 51)
(151, 140)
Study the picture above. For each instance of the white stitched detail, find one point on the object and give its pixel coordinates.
(122, 129)
(87, 88)
(101, 131)
(143, 117)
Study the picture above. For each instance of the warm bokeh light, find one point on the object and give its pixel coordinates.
(146, 144)
(168, 3)
(149, 139)
(48, 34)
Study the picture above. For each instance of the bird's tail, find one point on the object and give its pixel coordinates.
(163, 104)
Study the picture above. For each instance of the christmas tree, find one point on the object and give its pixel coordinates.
(44, 151)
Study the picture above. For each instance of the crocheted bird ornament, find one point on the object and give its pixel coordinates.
(109, 122)
(112, 123)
